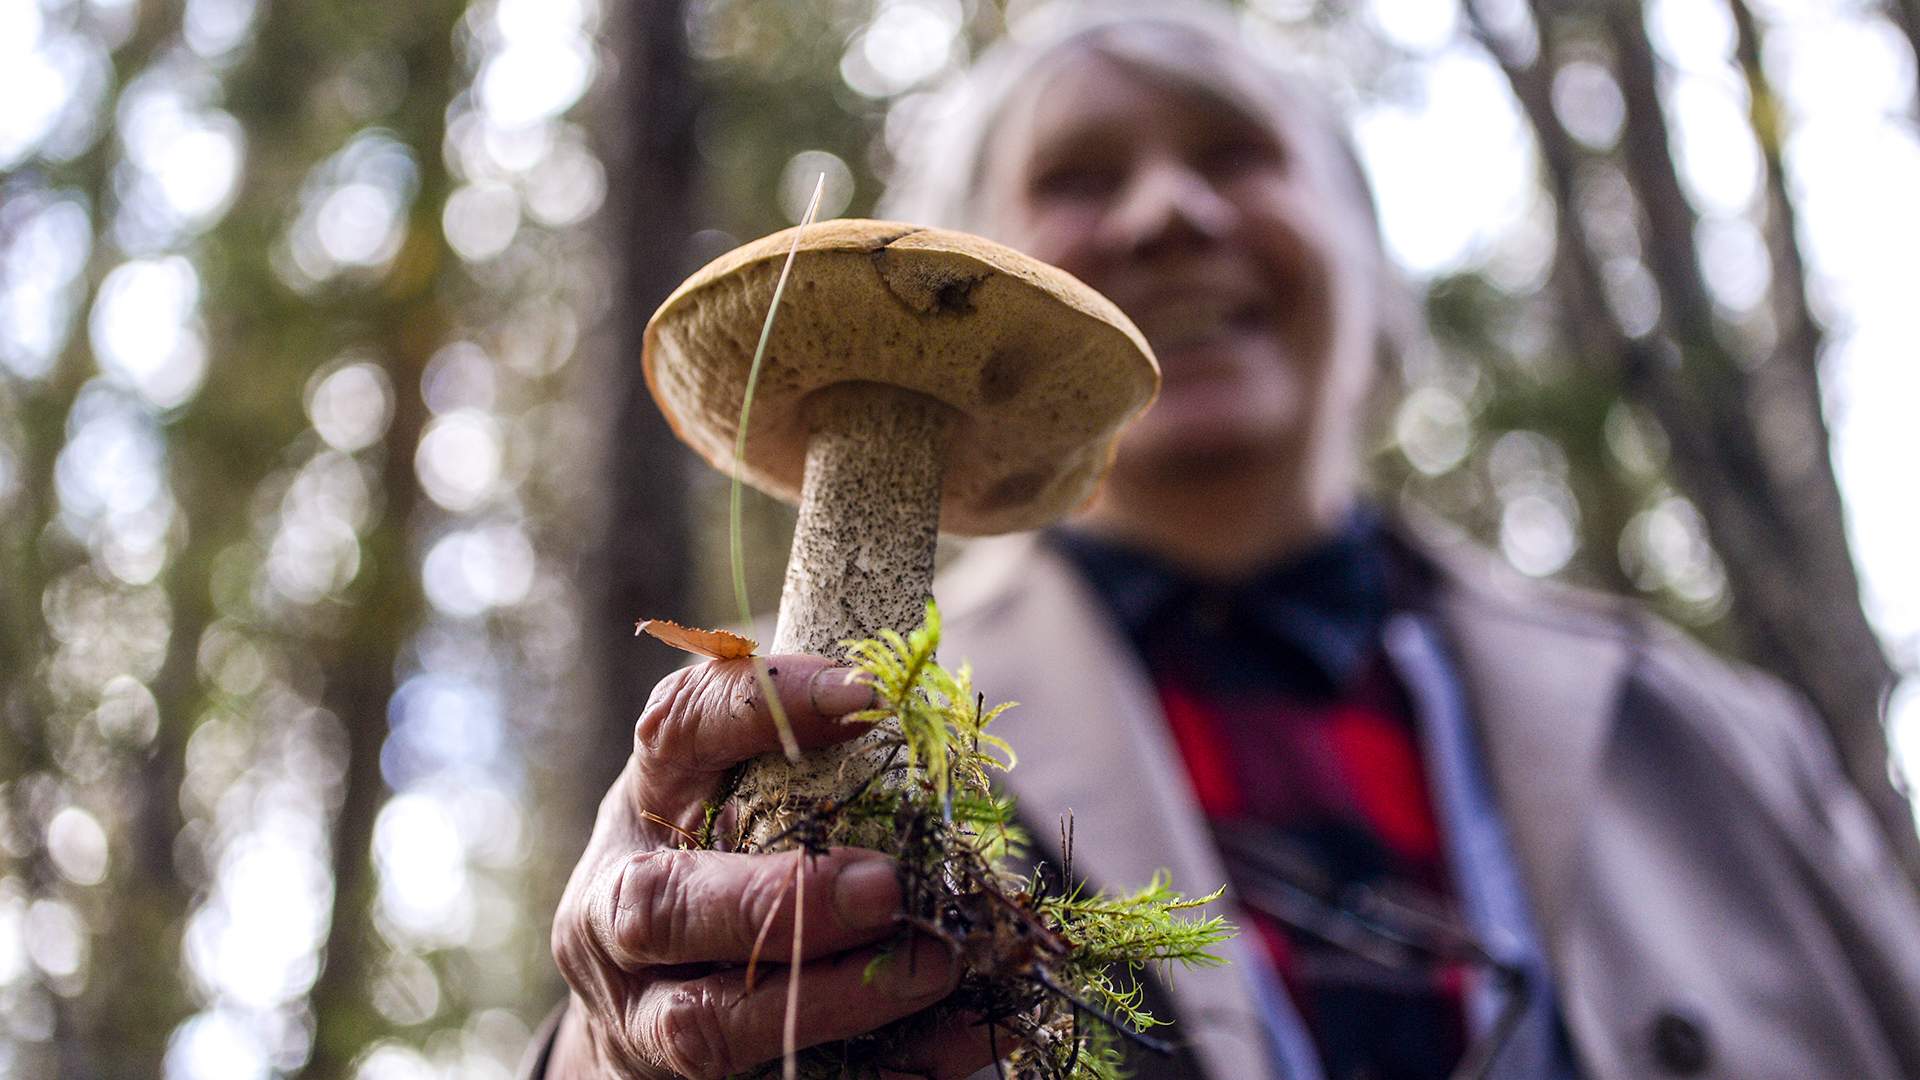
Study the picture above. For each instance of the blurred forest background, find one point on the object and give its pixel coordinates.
(329, 492)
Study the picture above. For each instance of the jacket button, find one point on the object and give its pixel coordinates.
(1680, 1043)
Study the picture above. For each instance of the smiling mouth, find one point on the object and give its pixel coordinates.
(1172, 328)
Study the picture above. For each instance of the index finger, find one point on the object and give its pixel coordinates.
(703, 720)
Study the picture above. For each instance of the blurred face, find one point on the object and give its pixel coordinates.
(1238, 245)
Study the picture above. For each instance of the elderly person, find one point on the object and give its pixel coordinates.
(1472, 825)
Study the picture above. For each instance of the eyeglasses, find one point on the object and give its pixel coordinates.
(1392, 936)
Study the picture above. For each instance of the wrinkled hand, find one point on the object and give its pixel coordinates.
(654, 939)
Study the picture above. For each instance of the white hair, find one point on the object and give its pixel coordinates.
(1200, 45)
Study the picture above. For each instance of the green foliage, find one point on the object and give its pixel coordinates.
(939, 713)
(1057, 973)
(1129, 932)
(1089, 1051)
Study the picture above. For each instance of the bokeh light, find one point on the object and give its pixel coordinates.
(352, 212)
(907, 43)
(144, 329)
(51, 237)
(808, 169)
(78, 846)
(351, 405)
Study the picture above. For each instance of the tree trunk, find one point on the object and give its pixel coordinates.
(638, 566)
(405, 324)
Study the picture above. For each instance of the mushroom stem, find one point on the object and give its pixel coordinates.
(862, 557)
(862, 561)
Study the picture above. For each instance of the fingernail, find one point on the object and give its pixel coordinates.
(925, 970)
(836, 691)
(866, 895)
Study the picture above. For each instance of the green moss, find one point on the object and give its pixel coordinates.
(1054, 968)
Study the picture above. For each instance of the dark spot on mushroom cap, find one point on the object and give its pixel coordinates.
(1004, 373)
(929, 288)
(951, 295)
(1012, 491)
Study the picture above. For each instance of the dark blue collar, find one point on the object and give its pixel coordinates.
(1309, 623)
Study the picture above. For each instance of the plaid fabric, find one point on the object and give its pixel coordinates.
(1294, 731)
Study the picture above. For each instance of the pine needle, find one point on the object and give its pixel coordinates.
(790, 1031)
(686, 836)
(738, 549)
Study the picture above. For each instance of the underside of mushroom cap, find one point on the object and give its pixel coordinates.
(1041, 370)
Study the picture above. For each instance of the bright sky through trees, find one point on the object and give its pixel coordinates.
(1453, 174)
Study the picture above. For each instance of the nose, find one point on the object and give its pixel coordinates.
(1168, 206)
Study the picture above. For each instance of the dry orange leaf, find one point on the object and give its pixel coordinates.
(718, 644)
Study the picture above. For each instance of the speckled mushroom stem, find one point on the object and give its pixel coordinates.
(862, 555)
(862, 561)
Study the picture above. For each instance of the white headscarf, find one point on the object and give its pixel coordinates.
(1197, 44)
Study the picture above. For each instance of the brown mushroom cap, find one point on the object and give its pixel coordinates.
(1042, 370)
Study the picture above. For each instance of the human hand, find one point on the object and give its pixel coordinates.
(653, 939)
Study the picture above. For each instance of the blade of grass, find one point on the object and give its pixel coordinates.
(735, 544)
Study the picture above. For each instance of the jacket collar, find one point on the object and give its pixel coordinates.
(1543, 667)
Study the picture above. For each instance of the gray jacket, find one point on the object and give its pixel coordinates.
(1715, 899)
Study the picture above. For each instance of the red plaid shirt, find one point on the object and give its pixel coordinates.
(1294, 731)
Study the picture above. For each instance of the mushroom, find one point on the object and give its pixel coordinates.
(917, 380)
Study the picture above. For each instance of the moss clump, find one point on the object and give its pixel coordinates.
(1053, 969)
